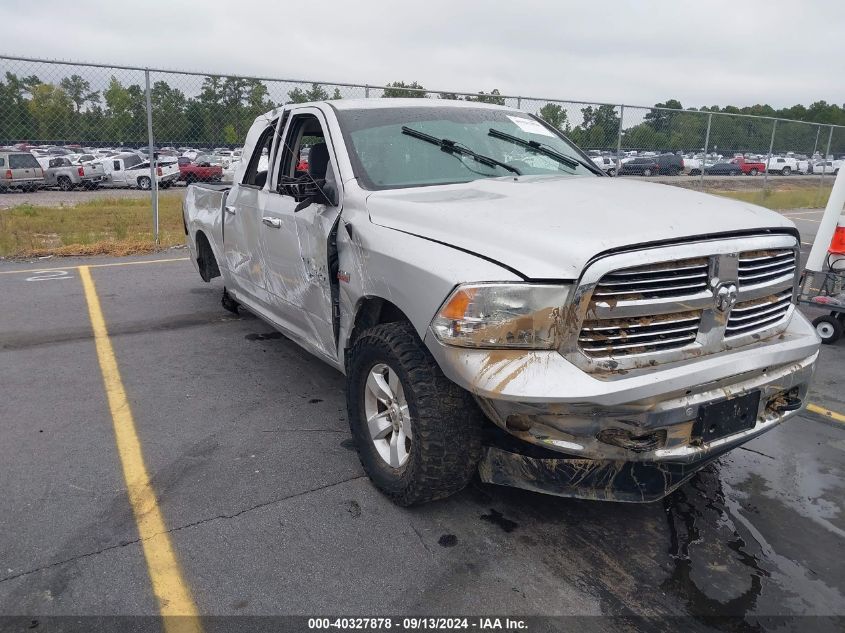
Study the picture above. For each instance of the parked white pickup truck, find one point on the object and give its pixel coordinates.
(782, 165)
(498, 304)
(130, 170)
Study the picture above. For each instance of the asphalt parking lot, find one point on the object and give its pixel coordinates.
(263, 508)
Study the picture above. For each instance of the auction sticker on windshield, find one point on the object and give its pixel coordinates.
(532, 127)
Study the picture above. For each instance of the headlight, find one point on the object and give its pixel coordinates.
(523, 316)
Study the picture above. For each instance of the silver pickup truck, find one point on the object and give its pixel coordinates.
(62, 173)
(499, 305)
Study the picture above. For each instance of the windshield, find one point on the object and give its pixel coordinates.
(385, 157)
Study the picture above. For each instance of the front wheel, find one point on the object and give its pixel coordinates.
(829, 328)
(753, 172)
(646, 172)
(611, 172)
(417, 433)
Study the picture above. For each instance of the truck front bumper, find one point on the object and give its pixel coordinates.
(624, 436)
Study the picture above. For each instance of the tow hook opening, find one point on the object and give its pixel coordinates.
(639, 443)
(784, 401)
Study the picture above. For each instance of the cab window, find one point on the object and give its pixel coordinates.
(259, 163)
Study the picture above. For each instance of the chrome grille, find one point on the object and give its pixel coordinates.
(636, 335)
(657, 281)
(748, 317)
(764, 267)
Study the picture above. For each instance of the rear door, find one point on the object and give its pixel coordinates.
(242, 224)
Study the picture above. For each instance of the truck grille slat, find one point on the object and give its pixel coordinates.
(671, 279)
(636, 334)
(752, 316)
(759, 267)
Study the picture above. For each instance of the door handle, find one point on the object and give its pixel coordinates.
(274, 223)
(230, 209)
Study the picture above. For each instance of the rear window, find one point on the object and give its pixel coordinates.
(23, 161)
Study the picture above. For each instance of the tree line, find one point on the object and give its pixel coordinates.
(223, 110)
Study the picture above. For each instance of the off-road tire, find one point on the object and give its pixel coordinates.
(446, 421)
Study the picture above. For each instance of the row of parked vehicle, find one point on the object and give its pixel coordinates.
(668, 164)
(29, 168)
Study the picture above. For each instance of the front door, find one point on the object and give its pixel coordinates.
(295, 243)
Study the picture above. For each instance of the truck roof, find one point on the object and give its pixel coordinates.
(371, 104)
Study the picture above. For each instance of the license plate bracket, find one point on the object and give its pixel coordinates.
(720, 419)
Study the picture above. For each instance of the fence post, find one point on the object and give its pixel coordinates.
(769, 156)
(150, 145)
(367, 91)
(619, 138)
(824, 160)
(816, 144)
(519, 103)
(706, 145)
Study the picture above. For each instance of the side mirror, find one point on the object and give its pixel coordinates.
(319, 192)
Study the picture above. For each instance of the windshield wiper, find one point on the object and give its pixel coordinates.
(542, 148)
(451, 147)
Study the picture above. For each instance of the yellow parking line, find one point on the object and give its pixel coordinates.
(833, 415)
(146, 261)
(171, 591)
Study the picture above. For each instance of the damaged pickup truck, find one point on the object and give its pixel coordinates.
(498, 305)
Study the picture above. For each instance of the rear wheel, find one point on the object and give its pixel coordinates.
(145, 183)
(753, 172)
(829, 328)
(417, 433)
(786, 171)
(646, 172)
(64, 183)
(611, 172)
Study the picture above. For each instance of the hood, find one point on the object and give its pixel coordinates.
(549, 228)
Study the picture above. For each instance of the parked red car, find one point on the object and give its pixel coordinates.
(199, 170)
(749, 167)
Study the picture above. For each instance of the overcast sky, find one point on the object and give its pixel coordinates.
(710, 52)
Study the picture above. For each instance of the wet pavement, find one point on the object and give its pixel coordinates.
(269, 512)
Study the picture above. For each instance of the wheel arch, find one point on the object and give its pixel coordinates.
(206, 259)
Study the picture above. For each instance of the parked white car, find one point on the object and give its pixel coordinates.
(606, 163)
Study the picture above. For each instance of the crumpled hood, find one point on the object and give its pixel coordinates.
(549, 228)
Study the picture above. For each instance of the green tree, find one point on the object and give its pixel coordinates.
(399, 89)
(555, 115)
(661, 120)
(52, 110)
(79, 91)
(599, 128)
(494, 97)
(315, 93)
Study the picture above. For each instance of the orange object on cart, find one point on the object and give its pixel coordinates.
(837, 244)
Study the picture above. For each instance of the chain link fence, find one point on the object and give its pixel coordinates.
(86, 112)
